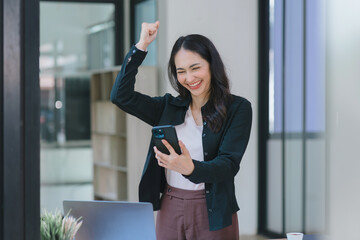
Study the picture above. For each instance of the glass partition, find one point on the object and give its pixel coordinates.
(295, 175)
(75, 38)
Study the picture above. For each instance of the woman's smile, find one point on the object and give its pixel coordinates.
(195, 85)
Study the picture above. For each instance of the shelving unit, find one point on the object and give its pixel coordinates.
(119, 140)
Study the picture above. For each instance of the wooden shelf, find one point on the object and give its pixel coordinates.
(119, 141)
(109, 119)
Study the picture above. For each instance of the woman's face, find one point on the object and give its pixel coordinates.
(193, 73)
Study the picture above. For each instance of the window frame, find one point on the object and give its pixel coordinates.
(264, 134)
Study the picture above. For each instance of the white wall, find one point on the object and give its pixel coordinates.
(343, 118)
(232, 26)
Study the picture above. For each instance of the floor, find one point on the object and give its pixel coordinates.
(252, 238)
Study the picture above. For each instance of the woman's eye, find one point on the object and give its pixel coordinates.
(196, 68)
(180, 72)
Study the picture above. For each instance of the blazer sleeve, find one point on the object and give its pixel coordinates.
(226, 164)
(144, 107)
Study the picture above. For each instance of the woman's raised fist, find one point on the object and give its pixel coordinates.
(148, 34)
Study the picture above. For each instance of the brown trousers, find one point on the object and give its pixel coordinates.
(183, 215)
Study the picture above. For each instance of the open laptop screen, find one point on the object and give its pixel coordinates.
(110, 220)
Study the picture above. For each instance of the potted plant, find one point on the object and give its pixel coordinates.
(55, 226)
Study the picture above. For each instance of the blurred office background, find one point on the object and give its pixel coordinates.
(76, 39)
(296, 61)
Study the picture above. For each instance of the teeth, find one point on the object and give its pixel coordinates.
(194, 84)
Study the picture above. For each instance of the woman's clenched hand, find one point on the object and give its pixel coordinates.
(148, 34)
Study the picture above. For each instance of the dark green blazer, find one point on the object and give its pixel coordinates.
(222, 150)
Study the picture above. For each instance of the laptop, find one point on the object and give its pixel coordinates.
(110, 220)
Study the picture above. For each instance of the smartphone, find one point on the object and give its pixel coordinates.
(168, 133)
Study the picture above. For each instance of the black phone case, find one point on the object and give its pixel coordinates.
(168, 133)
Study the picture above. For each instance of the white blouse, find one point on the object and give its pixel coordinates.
(191, 135)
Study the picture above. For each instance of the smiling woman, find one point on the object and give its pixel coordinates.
(213, 128)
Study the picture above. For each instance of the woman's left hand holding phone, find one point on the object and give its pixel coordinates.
(180, 163)
(147, 35)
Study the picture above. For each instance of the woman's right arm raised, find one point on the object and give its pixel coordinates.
(123, 95)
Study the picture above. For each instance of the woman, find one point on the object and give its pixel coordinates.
(194, 191)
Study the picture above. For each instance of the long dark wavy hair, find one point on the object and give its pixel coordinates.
(214, 112)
